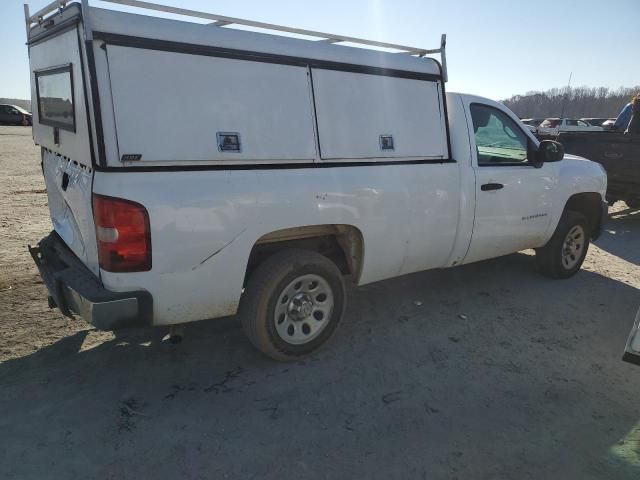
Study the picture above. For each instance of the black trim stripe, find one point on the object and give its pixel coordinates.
(95, 100)
(270, 166)
(315, 111)
(86, 100)
(446, 113)
(210, 51)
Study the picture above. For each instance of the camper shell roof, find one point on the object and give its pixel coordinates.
(116, 26)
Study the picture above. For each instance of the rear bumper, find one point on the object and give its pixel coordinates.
(74, 289)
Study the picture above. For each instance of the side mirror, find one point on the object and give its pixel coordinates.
(548, 151)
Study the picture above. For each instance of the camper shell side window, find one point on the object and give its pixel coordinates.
(54, 90)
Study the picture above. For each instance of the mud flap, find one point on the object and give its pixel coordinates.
(632, 349)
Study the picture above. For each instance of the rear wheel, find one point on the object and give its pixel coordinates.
(565, 252)
(292, 304)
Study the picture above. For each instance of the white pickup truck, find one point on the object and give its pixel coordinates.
(196, 171)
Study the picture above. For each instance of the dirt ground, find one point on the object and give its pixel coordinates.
(488, 371)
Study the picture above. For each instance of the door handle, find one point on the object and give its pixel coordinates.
(491, 186)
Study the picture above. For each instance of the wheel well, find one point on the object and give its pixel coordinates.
(590, 205)
(342, 244)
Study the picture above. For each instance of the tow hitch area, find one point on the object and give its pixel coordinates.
(632, 349)
(75, 290)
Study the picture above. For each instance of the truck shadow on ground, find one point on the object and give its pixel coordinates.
(485, 371)
(621, 236)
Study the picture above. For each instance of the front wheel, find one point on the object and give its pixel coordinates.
(292, 304)
(565, 252)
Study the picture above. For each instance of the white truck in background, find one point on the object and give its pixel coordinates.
(196, 171)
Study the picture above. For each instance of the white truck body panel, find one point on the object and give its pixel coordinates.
(407, 226)
(310, 117)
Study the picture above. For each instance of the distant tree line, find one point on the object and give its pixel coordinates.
(579, 102)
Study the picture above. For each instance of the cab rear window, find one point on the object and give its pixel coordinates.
(54, 88)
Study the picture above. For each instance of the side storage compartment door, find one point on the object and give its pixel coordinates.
(177, 107)
(363, 116)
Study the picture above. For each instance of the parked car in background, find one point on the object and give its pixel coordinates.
(551, 127)
(595, 122)
(14, 115)
(534, 122)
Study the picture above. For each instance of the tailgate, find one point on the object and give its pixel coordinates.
(69, 186)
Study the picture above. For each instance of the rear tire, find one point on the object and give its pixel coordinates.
(292, 304)
(565, 252)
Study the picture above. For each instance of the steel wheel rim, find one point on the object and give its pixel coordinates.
(572, 247)
(303, 309)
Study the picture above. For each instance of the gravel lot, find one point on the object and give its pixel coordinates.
(488, 371)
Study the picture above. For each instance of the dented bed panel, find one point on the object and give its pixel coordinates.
(69, 191)
(204, 227)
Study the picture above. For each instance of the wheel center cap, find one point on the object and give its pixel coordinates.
(300, 306)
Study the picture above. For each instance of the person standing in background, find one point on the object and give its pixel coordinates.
(624, 117)
(634, 123)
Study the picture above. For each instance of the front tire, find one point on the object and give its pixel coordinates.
(292, 304)
(565, 252)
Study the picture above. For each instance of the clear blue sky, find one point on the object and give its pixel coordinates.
(495, 48)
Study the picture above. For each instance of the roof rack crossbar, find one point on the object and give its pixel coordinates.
(40, 14)
(222, 21)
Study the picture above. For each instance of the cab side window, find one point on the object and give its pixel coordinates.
(499, 141)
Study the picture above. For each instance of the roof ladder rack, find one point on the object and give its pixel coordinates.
(223, 21)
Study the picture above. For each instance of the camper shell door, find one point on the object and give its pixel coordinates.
(62, 127)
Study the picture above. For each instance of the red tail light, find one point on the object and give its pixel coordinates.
(123, 234)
